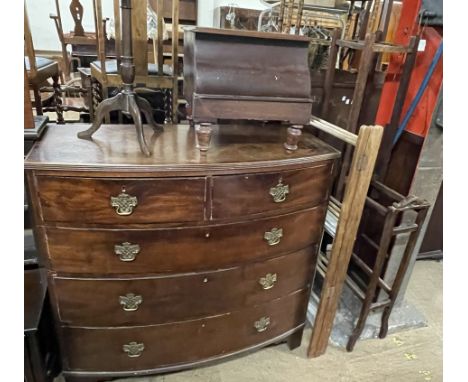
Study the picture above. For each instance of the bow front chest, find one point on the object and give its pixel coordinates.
(166, 262)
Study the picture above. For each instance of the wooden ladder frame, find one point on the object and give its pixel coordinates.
(366, 146)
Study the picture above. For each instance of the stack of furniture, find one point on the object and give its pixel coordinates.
(167, 262)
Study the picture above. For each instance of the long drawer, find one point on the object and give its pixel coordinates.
(107, 251)
(157, 300)
(150, 347)
(121, 201)
(241, 195)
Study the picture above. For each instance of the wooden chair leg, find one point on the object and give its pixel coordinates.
(58, 99)
(167, 99)
(105, 95)
(175, 103)
(37, 100)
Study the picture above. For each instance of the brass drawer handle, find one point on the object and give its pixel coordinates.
(133, 349)
(279, 192)
(268, 281)
(124, 203)
(262, 324)
(126, 251)
(274, 236)
(130, 302)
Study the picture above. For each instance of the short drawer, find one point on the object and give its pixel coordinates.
(151, 347)
(121, 201)
(157, 300)
(106, 251)
(240, 195)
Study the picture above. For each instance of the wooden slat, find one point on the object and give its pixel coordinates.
(390, 48)
(369, 272)
(29, 46)
(404, 229)
(139, 38)
(334, 130)
(365, 64)
(359, 45)
(380, 304)
(299, 16)
(290, 14)
(371, 242)
(360, 176)
(361, 264)
(159, 44)
(377, 47)
(281, 16)
(175, 61)
(387, 191)
(323, 261)
(355, 288)
(100, 39)
(330, 74)
(28, 114)
(376, 206)
(117, 31)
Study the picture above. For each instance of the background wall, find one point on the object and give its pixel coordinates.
(45, 35)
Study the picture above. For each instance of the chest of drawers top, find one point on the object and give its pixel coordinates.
(114, 150)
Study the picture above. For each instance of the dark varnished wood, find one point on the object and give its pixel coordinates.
(184, 342)
(85, 200)
(91, 251)
(177, 298)
(40, 349)
(35, 288)
(228, 74)
(240, 195)
(114, 148)
(199, 266)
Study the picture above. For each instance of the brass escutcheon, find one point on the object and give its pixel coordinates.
(133, 349)
(130, 302)
(279, 192)
(274, 236)
(262, 324)
(123, 203)
(268, 281)
(126, 251)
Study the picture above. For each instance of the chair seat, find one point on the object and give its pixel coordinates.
(40, 62)
(111, 68)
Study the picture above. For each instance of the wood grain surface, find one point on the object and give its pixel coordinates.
(91, 251)
(175, 298)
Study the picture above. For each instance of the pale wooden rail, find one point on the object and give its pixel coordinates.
(342, 222)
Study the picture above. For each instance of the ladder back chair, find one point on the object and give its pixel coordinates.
(150, 75)
(39, 70)
(76, 37)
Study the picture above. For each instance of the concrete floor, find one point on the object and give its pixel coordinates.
(414, 355)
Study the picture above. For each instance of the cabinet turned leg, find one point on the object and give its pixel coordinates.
(295, 339)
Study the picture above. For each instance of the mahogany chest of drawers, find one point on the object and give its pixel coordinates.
(171, 261)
